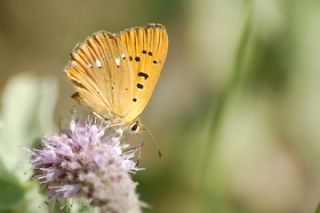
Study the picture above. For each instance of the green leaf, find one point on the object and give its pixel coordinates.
(82, 205)
(28, 105)
(27, 113)
(12, 192)
(77, 205)
(34, 201)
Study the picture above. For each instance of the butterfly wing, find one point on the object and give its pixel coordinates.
(117, 73)
(147, 49)
(97, 73)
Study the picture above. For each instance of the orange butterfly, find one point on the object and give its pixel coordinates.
(115, 74)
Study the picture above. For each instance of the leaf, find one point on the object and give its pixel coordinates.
(28, 104)
(34, 201)
(76, 205)
(28, 107)
(82, 205)
(12, 192)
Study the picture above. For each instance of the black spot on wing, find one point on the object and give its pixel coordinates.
(143, 74)
(145, 52)
(140, 86)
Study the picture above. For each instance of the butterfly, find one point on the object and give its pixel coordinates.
(115, 74)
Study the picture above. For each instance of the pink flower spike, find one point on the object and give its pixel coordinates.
(82, 162)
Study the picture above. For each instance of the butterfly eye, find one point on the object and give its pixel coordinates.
(135, 126)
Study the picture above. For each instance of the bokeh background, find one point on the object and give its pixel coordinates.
(236, 111)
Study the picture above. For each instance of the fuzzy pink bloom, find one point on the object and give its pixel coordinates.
(83, 162)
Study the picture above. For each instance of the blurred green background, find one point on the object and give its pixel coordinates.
(236, 111)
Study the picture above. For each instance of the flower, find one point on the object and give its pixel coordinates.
(83, 162)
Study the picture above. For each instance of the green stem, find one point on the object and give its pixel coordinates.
(231, 87)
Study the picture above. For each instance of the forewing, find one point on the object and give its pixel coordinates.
(147, 49)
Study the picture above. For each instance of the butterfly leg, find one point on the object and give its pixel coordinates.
(98, 116)
(139, 150)
(136, 149)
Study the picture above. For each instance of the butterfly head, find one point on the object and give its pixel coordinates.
(128, 128)
(135, 127)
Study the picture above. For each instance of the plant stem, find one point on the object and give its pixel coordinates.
(231, 87)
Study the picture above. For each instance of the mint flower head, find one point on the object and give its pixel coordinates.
(83, 161)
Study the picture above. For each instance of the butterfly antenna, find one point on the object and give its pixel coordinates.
(156, 144)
